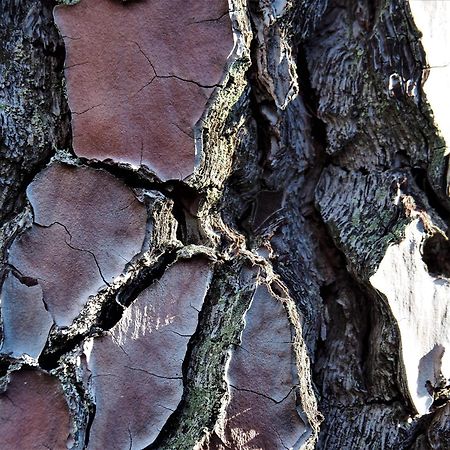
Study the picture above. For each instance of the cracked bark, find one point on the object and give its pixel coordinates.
(245, 246)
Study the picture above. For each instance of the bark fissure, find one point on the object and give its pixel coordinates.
(108, 306)
(171, 75)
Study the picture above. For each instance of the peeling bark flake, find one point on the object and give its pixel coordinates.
(136, 369)
(146, 88)
(262, 380)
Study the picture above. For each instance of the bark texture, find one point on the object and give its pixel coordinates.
(224, 225)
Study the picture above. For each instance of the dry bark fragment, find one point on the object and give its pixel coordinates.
(101, 215)
(33, 413)
(26, 322)
(137, 367)
(88, 226)
(135, 97)
(66, 275)
(262, 411)
(419, 303)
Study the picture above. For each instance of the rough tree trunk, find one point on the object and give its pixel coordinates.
(224, 225)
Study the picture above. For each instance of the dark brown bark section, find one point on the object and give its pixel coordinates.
(34, 117)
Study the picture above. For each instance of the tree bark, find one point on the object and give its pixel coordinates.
(224, 225)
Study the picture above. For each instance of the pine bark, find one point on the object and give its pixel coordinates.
(290, 291)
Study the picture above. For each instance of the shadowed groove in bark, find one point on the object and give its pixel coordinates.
(436, 253)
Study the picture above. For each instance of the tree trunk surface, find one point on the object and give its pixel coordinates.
(224, 225)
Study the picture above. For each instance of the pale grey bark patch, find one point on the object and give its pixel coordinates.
(419, 303)
(26, 321)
